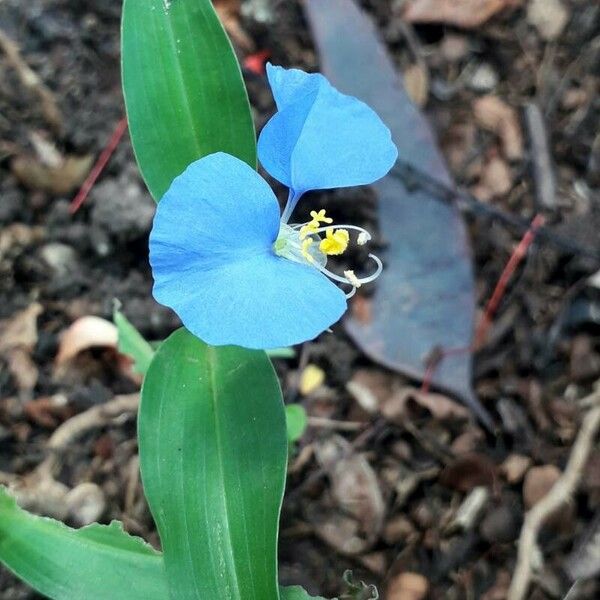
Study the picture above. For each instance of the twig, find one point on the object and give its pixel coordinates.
(323, 423)
(414, 178)
(560, 493)
(31, 81)
(97, 416)
(543, 175)
(99, 166)
(517, 256)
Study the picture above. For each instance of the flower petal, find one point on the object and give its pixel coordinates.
(218, 208)
(211, 251)
(261, 301)
(321, 138)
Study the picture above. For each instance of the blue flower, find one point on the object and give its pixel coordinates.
(226, 261)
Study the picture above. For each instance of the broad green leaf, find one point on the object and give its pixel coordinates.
(213, 453)
(296, 421)
(297, 593)
(102, 562)
(132, 343)
(183, 88)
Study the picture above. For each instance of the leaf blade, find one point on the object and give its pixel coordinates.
(213, 478)
(183, 88)
(131, 342)
(97, 561)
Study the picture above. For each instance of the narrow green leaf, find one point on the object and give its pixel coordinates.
(297, 593)
(213, 455)
(132, 343)
(281, 353)
(296, 421)
(99, 561)
(183, 88)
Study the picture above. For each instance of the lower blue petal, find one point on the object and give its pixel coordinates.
(259, 301)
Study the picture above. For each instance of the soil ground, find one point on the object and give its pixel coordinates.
(411, 471)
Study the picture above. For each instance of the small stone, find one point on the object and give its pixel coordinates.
(501, 525)
(549, 17)
(122, 209)
(514, 467)
(61, 259)
(484, 79)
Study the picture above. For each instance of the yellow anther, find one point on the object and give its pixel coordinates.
(306, 244)
(319, 217)
(335, 242)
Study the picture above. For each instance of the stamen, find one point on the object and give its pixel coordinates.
(352, 278)
(319, 217)
(363, 238)
(296, 242)
(363, 235)
(335, 243)
(306, 244)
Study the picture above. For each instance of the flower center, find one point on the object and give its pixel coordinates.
(303, 243)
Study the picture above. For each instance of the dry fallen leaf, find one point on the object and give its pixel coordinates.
(496, 180)
(22, 368)
(18, 337)
(469, 471)
(407, 586)
(229, 12)
(355, 523)
(462, 13)
(401, 403)
(493, 114)
(59, 180)
(20, 330)
(416, 82)
(549, 17)
(86, 332)
(370, 388)
(17, 236)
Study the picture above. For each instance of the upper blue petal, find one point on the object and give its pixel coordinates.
(321, 138)
(213, 263)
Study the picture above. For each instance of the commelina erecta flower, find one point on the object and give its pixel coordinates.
(233, 268)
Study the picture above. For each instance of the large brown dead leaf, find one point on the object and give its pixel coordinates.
(462, 13)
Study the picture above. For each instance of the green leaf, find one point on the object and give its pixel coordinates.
(98, 561)
(131, 342)
(183, 88)
(213, 453)
(297, 593)
(281, 353)
(296, 421)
